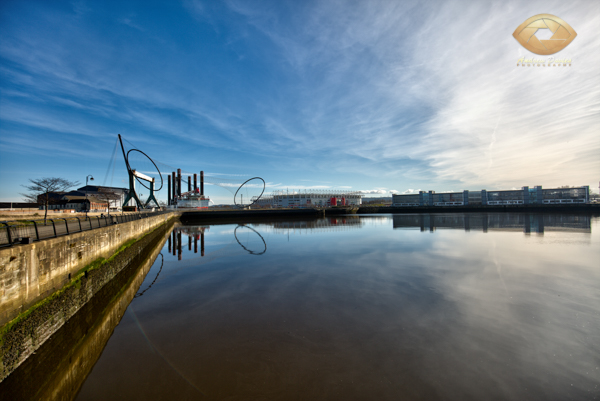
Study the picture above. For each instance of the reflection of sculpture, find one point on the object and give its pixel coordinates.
(251, 252)
(195, 233)
(176, 244)
(140, 177)
(176, 247)
(162, 262)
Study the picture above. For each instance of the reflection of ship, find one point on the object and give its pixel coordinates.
(193, 199)
(194, 233)
(176, 241)
(520, 222)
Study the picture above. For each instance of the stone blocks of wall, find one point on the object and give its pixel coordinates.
(30, 273)
(20, 338)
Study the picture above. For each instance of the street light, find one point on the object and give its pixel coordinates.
(86, 192)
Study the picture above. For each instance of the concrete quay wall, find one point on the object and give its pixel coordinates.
(21, 337)
(29, 273)
(74, 349)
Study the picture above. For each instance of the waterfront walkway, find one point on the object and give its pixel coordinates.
(28, 231)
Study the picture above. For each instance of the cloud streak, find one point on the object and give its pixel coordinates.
(359, 94)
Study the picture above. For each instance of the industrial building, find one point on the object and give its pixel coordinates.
(91, 198)
(524, 196)
(113, 195)
(310, 198)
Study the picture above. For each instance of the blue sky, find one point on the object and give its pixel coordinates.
(376, 96)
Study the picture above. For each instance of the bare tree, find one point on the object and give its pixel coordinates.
(42, 191)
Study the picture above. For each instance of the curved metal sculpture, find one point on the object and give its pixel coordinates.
(240, 205)
(151, 161)
(136, 175)
(251, 252)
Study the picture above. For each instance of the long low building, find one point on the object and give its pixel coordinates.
(310, 199)
(524, 196)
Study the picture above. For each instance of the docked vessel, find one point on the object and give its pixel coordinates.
(193, 199)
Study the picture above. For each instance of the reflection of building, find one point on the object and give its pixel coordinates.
(341, 223)
(310, 199)
(524, 222)
(523, 196)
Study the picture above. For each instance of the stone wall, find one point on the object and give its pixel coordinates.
(21, 337)
(58, 368)
(30, 273)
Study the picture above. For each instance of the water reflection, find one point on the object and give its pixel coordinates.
(525, 222)
(248, 238)
(60, 366)
(364, 312)
(243, 239)
(342, 223)
(162, 263)
(193, 233)
(240, 239)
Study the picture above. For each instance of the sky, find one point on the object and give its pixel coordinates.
(375, 96)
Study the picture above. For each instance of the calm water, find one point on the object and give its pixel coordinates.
(454, 307)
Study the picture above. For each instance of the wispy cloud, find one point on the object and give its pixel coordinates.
(484, 122)
(373, 94)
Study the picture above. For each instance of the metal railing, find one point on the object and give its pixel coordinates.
(27, 231)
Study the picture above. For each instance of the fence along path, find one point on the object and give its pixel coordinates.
(27, 231)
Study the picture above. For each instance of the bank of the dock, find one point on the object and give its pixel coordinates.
(585, 208)
(248, 215)
(58, 369)
(46, 283)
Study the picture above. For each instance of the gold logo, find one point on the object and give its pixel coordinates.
(562, 34)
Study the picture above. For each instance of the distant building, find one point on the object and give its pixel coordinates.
(53, 197)
(98, 197)
(523, 196)
(385, 200)
(114, 195)
(310, 199)
(19, 206)
(79, 204)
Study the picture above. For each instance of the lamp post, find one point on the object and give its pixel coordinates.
(86, 192)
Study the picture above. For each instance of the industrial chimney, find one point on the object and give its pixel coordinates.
(202, 183)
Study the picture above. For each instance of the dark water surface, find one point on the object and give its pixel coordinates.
(454, 307)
